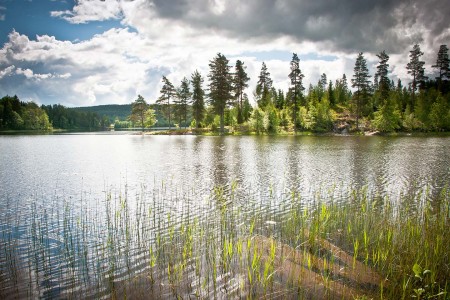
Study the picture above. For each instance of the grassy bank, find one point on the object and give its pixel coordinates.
(156, 244)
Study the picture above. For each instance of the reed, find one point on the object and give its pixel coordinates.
(154, 244)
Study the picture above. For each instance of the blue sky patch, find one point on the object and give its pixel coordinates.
(33, 18)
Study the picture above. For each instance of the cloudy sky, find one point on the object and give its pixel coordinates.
(92, 52)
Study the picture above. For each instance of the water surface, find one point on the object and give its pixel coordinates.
(50, 184)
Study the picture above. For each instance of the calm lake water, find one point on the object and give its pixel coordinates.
(44, 176)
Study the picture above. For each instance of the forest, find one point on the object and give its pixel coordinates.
(347, 105)
(355, 105)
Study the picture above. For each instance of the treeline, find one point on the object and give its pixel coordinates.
(375, 104)
(62, 117)
(18, 115)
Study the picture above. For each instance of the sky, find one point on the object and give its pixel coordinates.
(94, 52)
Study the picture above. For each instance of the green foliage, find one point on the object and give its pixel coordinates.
(118, 124)
(296, 78)
(443, 63)
(240, 83)
(35, 118)
(16, 121)
(285, 119)
(257, 120)
(386, 106)
(439, 115)
(387, 119)
(111, 111)
(149, 118)
(263, 88)
(138, 111)
(62, 117)
(220, 86)
(304, 119)
(17, 115)
(410, 122)
(321, 117)
(167, 92)
(416, 68)
(181, 102)
(271, 120)
(198, 101)
(362, 84)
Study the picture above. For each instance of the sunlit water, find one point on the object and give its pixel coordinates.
(54, 191)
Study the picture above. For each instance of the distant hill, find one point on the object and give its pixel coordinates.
(123, 111)
(112, 111)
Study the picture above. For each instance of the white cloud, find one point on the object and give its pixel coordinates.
(29, 74)
(119, 64)
(7, 71)
(90, 10)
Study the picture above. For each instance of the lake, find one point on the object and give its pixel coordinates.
(50, 184)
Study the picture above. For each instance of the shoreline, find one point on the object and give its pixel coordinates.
(207, 132)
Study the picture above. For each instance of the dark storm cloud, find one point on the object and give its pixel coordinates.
(349, 25)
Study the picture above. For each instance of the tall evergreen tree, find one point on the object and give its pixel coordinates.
(361, 83)
(322, 86)
(138, 109)
(198, 101)
(383, 79)
(331, 97)
(442, 63)
(184, 95)
(416, 70)
(240, 83)
(220, 86)
(167, 92)
(341, 90)
(263, 87)
(297, 88)
(280, 99)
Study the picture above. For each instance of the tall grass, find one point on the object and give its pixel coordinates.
(160, 244)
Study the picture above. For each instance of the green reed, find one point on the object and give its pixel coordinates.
(139, 245)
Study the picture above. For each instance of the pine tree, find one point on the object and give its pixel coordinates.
(167, 92)
(442, 63)
(240, 79)
(198, 102)
(383, 79)
(341, 90)
(321, 86)
(297, 88)
(184, 95)
(220, 86)
(138, 109)
(361, 83)
(416, 69)
(331, 97)
(280, 100)
(263, 87)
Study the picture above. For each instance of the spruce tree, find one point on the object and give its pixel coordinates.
(263, 87)
(138, 109)
(297, 88)
(362, 84)
(331, 97)
(184, 95)
(382, 74)
(416, 70)
(240, 79)
(167, 92)
(220, 86)
(198, 101)
(442, 63)
(321, 86)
